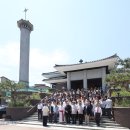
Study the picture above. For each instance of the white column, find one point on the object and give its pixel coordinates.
(85, 80)
(68, 81)
(103, 77)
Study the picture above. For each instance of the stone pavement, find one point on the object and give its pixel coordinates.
(106, 124)
(4, 125)
(32, 123)
(15, 127)
(37, 127)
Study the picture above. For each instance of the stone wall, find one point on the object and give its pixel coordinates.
(122, 116)
(18, 113)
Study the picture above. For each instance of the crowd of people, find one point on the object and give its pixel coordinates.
(72, 106)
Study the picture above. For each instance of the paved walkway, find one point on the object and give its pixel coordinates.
(31, 123)
(4, 125)
(15, 127)
(35, 127)
(106, 124)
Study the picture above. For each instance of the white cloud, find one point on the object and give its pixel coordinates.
(9, 54)
(40, 62)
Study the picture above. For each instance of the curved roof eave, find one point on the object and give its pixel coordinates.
(109, 61)
(52, 74)
(50, 81)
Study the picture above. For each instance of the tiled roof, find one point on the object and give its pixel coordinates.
(107, 58)
(48, 73)
(60, 77)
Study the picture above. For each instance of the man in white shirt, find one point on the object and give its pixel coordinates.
(103, 106)
(56, 111)
(109, 107)
(80, 113)
(97, 114)
(39, 109)
(45, 112)
(74, 112)
(61, 113)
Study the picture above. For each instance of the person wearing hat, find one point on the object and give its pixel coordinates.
(45, 112)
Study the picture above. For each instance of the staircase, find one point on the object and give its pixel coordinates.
(106, 124)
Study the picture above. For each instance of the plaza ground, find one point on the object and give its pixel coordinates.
(15, 127)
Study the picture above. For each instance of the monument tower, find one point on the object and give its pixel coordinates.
(25, 29)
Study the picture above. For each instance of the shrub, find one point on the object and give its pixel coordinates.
(122, 103)
(35, 96)
(122, 92)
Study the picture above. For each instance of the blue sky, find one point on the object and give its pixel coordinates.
(65, 31)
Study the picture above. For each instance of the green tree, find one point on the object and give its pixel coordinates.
(120, 76)
(124, 65)
(11, 88)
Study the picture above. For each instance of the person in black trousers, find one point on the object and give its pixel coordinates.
(68, 112)
(45, 112)
(98, 114)
(80, 113)
(88, 111)
(56, 112)
(51, 112)
(74, 112)
(39, 109)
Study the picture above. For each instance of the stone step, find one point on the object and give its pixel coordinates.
(90, 127)
(36, 116)
(102, 120)
(105, 123)
(91, 123)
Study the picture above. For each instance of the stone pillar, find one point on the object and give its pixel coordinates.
(68, 81)
(85, 80)
(25, 28)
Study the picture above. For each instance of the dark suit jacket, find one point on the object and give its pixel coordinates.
(51, 109)
(88, 110)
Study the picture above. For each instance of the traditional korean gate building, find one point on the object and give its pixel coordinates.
(82, 75)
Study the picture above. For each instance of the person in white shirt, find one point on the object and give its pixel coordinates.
(80, 113)
(61, 113)
(39, 109)
(97, 114)
(56, 111)
(103, 106)
(45, 112)
(109, 107)
(74, 112)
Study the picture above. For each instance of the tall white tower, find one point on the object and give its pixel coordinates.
(25, 28)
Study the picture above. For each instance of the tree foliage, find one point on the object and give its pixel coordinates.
(120, 76)
(12, 88)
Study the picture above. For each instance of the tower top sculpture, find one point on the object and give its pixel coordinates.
(25, 10)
